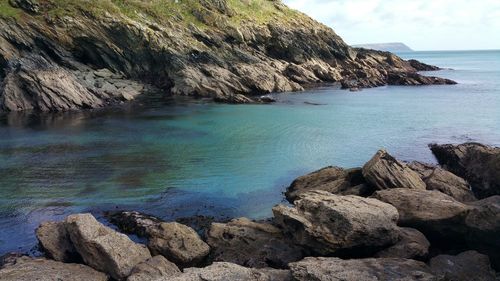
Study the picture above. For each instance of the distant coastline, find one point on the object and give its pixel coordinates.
(387, 47)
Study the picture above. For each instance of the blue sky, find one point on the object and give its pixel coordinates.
(421, 24)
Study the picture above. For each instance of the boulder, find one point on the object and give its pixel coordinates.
(155, 268)
(103, 248)
(29, 269)
(343, 225)
(332, 179)
(142, 225)
(251, 244)
(478, 164)
(466, 266)
(223, 271)
(423, 169)
(333, 269)
(412, 245)
(384, 172)
(55, 241)
(178, 243)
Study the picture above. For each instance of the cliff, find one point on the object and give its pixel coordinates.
(61, 55)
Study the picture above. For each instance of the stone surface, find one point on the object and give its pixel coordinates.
(155, 268)
(466, 266)
(179, 244)
(222, 271)
(137, 223)
(56, 243)
(345, 225)
(29, 269)
(251, 244)
(478, 164)
(103, 248)
(333, 269)
(332, 179)
(411, 245)
(384, 171)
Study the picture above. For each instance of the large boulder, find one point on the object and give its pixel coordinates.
(384, 172)
(332, 179)
(450, 184)
(251, 244)
(344, 225)
(466, 266)
(223, 271)
(333, 269)
(478, 164)
(178, 243)
(55, 241)
(155, 268)
(103, 248)
(29, 269)
(411, 245)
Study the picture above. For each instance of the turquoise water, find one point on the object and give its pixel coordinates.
(175, 159)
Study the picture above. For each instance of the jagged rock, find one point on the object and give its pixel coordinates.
(251, 244)
(103, 248)
(332, 269)
(29, 269)
(178, 243)
(332, 179)
(420, 66)
(31, 6)
(411, 245)
(478, 164)
(155, 268)
(466, 266)
(383, 171)
(223, 271)
(55, 241)
(423, 169)
(137, 223)
(331, 224)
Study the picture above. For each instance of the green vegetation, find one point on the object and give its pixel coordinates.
(6, 10)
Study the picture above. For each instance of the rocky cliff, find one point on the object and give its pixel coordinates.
(60, 55)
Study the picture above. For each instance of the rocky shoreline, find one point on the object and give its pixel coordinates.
(387, 220)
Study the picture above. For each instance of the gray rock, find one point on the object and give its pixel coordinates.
(155, 268)
(334, 269)
(31, 6)
(29, 269)
(328, 224)
(251, 244)
(103, 248)
(55, 241)
(103, 73)
(450, 184)
(384, 172)
(466, 266)
(178, 243)
(412, 245)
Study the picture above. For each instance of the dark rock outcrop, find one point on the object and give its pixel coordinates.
(412, 244)
(466, 266)
(478, 164)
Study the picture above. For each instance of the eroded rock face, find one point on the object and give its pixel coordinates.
(103, 248)
(251, 244)
(478, 164)
(55, 241)
(155, 268)
(412, 244)
(332, 269)
(327, 223)
(466, 266)
(137, 223)
(332, 179)
(384, 172)
(29, 269)
(178, 243)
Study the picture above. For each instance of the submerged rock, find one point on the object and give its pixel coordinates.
(466, 266)
(344, 225)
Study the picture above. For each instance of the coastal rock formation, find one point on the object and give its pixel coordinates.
(71, 55)
(155, 268)
(251, 244)
(55, 241)
(136, 223)
(330, 269)
(103, 248)
(466, 266)
(29, 269)
(332, 179)
(384, 171)
(478, 164)
(326, 223)
(412, 244)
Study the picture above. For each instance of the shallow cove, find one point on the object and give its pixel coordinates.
(195, 158)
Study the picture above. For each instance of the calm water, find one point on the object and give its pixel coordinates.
(182, 159)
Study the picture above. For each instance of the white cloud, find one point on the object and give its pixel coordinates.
(422, 24)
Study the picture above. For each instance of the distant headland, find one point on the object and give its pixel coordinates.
(388, 47)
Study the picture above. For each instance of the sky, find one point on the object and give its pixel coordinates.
(421, 24)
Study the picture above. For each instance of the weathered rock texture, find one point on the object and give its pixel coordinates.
(478, 164)
(466, 266)
(155, 268)
(412, 244)
(51, 53)
(331, 224)
(55, 241)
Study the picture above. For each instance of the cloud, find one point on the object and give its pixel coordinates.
(423, 24)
